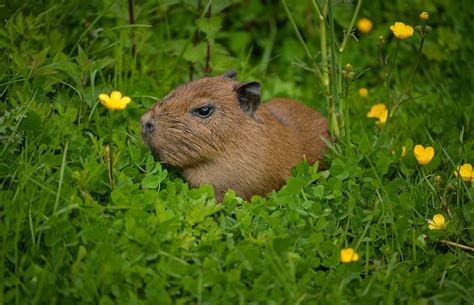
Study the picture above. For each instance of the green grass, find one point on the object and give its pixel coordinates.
(87, 216)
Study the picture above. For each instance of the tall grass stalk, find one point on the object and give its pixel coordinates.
(301, 40)
(333, 112)
(207, 68)
(402, 97)
(348, 32)
(322, 13)
(61, 179)
(338, 109)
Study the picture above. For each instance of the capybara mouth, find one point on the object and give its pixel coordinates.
(146, 136)
(155, 151)
(158, 156)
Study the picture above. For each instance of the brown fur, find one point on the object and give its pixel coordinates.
(230, 149)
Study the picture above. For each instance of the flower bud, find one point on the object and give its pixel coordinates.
(348, 68)
(424, 16)
(418, 28)
(76, 175)
(428, 29)
(381, 40)
(107, 153)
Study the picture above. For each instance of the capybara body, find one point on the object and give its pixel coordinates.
(216, 132)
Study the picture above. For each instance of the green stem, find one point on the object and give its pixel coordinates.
(392, 217)
(61, 179)
(300, 38)
(387, 76)
(207, 67)
(186, 45)
(339, 75)
(323, 44)
(334, 94)
(295, 29)
(267, 53)
(346, 114)
(342, 112)
(392, 65)
(401, 98)
(112, 118)
(351, 25)
(324, 59)
(412, 73)
(387, 72)
(383, 61)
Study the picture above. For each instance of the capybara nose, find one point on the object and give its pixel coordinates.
(148, 127)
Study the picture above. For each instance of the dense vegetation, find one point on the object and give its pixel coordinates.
(88, 217)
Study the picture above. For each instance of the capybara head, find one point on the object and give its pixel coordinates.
(197, 121)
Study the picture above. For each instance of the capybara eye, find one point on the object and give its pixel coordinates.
(204, 111)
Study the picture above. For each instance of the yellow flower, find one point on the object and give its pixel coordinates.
(363, 92)
(423, 155)
(348, 255)
(364, 25)
(401, 31)
(115, 101)
(404, 151)
(424, 16)
(437, 223)
(378, 111)
(465, 171)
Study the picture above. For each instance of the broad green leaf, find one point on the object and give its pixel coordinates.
(210, 26)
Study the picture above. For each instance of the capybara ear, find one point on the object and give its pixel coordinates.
(249, 97)
(230, 74)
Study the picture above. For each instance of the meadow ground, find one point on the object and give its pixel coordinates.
(88, 217)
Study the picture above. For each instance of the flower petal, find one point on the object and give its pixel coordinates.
(465, 171)
(438, 219)
(345, 255)
(355, 257)
(438, 222)
(364, 25)
(125, 100)
(418, 151)
(116, 95)
(104, 97)
(429, 153)
(377, 111)
(383, 117)
(348, 255)
(401, 31)
(363, 92)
